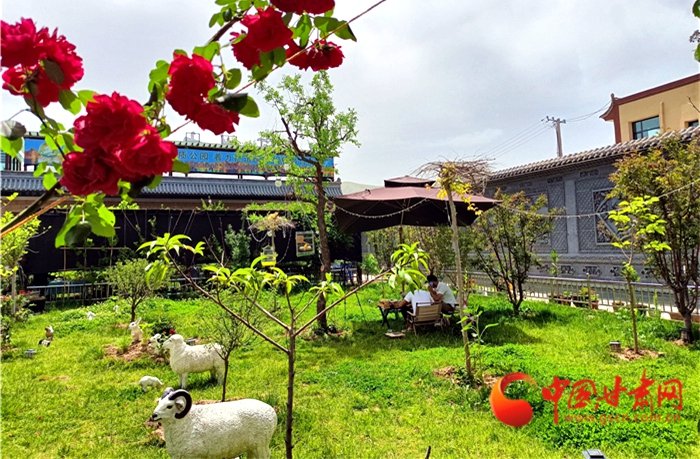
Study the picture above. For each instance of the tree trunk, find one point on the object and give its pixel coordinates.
(133, 312)
(633, 307)
(688, 325)
(14, 293)
(290, 393)
(223, 391)
(323, 241)
(460, 282)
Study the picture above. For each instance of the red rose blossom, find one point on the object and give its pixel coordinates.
(191, 79)
(58, 50)
(246, 54)
(149, 155)
(39, 86)
(299, 6)
(216, 118)
(110, 121)
(302, 60)
(266, 30)
(20, 44)
(324, 55)
(90, 171)
(318, 6)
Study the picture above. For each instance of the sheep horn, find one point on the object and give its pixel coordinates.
(188, 402)
(167, 391)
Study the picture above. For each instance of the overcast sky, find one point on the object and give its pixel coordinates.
(428, 79)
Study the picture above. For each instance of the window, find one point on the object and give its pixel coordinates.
(645, 128)
(693, 123)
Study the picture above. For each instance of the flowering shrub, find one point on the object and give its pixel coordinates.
(117, 146)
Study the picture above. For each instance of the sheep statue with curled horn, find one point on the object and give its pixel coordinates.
(215, 431)
(186, 359)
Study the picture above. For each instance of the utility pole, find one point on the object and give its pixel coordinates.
(557, 124)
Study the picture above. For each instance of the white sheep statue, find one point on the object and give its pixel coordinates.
(136, 332)
(91, 315)
(150, 381)
(213, 431)
(186, 359)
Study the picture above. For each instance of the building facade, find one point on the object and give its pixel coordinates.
(669, 107)
(579, 184)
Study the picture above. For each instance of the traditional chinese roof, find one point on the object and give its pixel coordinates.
(590, 158)
(26, 184)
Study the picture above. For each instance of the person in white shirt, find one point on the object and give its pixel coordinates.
(415, 299)
(441, 292)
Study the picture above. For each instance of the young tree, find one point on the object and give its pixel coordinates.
(313, 134)
(638, 228)
(14, 246)
(228, 332)
(458, 177)
(250, 282)
(503, 241)
(128, 279)
(665, 173)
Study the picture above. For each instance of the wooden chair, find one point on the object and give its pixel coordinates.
(426, 314)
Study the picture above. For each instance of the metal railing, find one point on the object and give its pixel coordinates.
(608, 294)
(88, 293)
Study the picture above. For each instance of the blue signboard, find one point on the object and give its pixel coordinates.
(200, 160)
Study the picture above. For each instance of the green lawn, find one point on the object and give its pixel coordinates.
(358, 396)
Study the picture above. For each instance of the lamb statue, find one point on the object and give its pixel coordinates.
(213, 431)
(49, 332)
(186, 359)
(150, 381)
(91, 315)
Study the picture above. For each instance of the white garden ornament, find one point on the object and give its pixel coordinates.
(150, 381)
(136, 332)
(186, 359)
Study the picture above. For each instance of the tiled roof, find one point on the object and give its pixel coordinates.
(590, 158)
(25, 184)
(178, 143)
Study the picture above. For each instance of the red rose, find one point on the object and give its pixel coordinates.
(289, 6)
(58, 50)
(150, 155)
(246, 54)
(318, 6)
(110, 121)
(299, 6)
(216, 118)
(302, 60)
(90, 171)
(324, 55)
(266, 30)
(191, 79)
(39, 85)
(20, 44)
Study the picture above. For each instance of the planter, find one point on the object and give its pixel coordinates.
(594, 304)
(30, 353)
(615, 346)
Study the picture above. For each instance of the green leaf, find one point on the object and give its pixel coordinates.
(279, 56)
(100, 217)
(54, 72)
(49, 180)
(346, 32)
(69, 101)
(244, 4)
(72, 219)
(216, 17)
(207, 52)
(233, 102)
(86, 95)
(179, 166)
(303, 30)
(251, 109)
(697, 53)
(227, 15)
(233, 78)
(159, 74)
(696, 8)
(12, 130)
(155, 182)
(11, 147)
(40, 168)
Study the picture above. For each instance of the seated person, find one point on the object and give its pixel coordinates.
(441, 292)
(414, 299)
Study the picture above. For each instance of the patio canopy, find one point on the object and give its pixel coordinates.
(403, 201)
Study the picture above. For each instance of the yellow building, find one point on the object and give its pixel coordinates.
(668, 107)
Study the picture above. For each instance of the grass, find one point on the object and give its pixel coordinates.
(360, 395)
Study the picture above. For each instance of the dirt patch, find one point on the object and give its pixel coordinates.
(155, 431)
(629, 355)
(450, 374)
(121, 325)
(135, 351)
(680, 342)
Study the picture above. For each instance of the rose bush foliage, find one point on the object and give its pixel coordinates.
(117, 146)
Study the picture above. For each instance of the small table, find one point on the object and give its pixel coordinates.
(385, 314)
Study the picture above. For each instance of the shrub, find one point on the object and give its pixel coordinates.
(128, 278)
